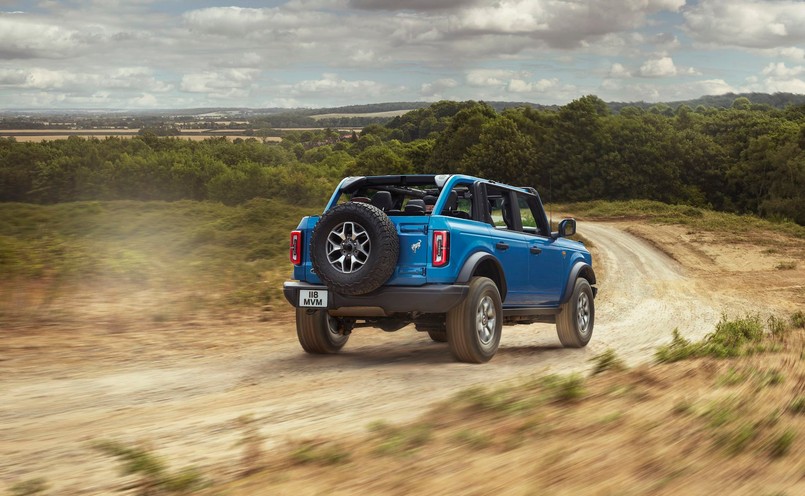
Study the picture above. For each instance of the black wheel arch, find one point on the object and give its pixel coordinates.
(580, 269)
(485, 265)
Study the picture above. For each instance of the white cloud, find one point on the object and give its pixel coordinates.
(618, 71)
(13, 77)
(21, 39)
(792, 53)
(435, 89)
(780, 71)
(628, 91)
(332, 85)
(241, 22)
(541, 86)
(228, 83)
(143, 53)
(747, 23)
(410, 4)
(146, 100)
(488, 77)
(658, 67)
(777, 77)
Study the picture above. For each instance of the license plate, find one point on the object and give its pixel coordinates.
(314, 298)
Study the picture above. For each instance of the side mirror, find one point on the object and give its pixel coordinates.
(567, 228)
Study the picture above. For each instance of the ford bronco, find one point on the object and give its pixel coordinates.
(457, 256)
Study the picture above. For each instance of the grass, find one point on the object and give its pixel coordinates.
(798, 319)
(153, 473)
(695, 217)
(643, 427)
(797, 405)
(786, 265)
(607, 360)
(781, 444)
(731, 338)
(238, 255)
(30, 487)
(400, 440)
(320, 452)
(566, 388)
(472, 439)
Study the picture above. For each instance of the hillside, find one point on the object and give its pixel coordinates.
(153, 332)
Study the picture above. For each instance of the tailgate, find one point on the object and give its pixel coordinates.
(414, 250)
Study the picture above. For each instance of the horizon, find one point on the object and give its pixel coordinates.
(415, 105)
(293, 54)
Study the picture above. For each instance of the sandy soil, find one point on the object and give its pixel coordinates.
(181, 387)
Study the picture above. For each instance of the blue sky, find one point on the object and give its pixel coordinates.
(321, 53)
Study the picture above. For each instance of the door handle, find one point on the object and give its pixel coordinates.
(536, 250)
(501, 246)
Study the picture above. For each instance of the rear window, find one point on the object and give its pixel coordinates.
(395, 199)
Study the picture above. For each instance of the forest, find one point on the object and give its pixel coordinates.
(746, 158)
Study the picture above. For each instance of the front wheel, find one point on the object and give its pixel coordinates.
(475, 324)
(574, 324)
(318, 333)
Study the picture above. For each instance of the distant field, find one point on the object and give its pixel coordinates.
(37, 136)
(390, 113)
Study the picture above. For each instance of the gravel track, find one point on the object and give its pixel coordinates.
(185, 404)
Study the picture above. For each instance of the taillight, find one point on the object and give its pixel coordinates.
(296, 247)
(441, 248)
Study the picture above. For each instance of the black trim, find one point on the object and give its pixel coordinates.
(529, 311)
(473, 262)
(571, 280)
(430, 298)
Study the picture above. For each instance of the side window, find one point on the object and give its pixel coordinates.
(459, 202)
(500, 209)
(528, 212)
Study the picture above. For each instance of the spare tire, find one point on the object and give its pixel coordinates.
(354, 248)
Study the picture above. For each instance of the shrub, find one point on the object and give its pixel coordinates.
(564, 388)
(324, 453)
(798, 319)
(678, 349)
(731, 335)
(29, 487)
(797, 405)
(607, 360)
(401, 440)
(154, 475)
(781, 444)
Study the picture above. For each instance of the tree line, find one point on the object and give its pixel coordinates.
(746, 158)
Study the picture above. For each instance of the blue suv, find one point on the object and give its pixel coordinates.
(456, 255)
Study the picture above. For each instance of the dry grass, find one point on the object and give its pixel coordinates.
(694, 427)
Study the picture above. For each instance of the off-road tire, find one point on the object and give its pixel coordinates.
(573, 329)
(466, 323)
(438, 336)
(318, 332)
(382, 259)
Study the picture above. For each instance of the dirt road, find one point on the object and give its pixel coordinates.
(180, 388)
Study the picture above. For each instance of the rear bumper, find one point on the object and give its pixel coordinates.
(431, 298)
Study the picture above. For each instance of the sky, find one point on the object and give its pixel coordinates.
(141, 54)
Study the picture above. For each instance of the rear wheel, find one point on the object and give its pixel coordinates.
(474, 325)
(318, 333)
(575, 321)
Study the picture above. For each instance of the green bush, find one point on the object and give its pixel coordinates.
(152, 470)
(607, 360)
(678, 349)
(564, 388)
(798, 319)
(731, 338)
